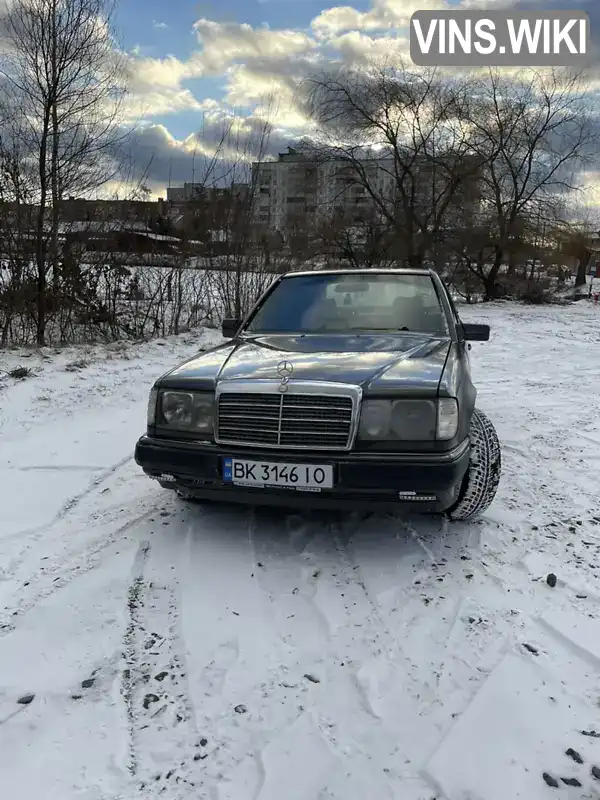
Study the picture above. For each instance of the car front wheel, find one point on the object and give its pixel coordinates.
(481, 481)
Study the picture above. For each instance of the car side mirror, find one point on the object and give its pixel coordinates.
(230, 327)
(476, 333)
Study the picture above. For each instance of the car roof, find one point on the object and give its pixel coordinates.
(398, 271)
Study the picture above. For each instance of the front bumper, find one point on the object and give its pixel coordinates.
(381, 482)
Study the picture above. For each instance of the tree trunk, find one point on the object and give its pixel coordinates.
(490, 281)
(584, 260)
(54, 170)
(54, 180)
(41, 291)
(490, 287)
(40, 241)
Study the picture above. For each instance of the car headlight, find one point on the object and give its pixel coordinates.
(408, 420)
(151, 416)
(447, 418)
(375, 419)
(187, 411)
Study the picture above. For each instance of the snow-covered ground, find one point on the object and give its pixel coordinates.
(160, 650)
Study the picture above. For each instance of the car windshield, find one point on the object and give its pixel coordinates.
(360, 303)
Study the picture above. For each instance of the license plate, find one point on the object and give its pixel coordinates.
(302, 477)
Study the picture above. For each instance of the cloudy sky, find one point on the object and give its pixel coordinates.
(195, 64)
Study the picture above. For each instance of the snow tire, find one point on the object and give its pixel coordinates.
(481, 481)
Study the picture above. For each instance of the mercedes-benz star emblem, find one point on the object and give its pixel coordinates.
(284, 370)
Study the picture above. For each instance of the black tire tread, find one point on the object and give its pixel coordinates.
(485, 467)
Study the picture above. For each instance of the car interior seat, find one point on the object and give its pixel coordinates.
(322, 312)
(408, 312)
(414, 314)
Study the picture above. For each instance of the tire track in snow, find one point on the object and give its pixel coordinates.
(226, 670)
(388, 678)
(363, 647)
(437, 643)
(298, 571)
(287, 578)
(71, 530)
(246, 692)
(373, 687)
(485, 605)
(49, 580)
(365, 659)
(321, 676)
(165, 750)
(358, 697)
(69, 505)
(473, 611)
(73, 538)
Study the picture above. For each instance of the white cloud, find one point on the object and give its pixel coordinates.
(333, 21)
(590, 189)
(258, 63)
(163, 73)
(384, 15)
(356, 47)
(225, 43)
(156, 86)
(234, 140)
(150, 104)
(159, 25)
(261, 69)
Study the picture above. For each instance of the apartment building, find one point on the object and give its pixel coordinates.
(199, 191)
(185, 193)
(297, 190)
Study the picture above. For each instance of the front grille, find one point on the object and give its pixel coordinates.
(285, 420)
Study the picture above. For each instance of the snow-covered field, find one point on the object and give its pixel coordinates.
(149, 649)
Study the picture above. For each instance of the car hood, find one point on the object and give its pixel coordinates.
(378, 363)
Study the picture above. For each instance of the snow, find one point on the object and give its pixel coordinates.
(181, 651)
(519, 727)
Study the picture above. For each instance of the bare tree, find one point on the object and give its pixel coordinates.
(16, 286)
(533, 135)
(573, 237)
(404, 138)
(361, 243)
(222, 215)
(64, 81)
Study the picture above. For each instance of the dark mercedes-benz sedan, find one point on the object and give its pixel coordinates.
(340, 389)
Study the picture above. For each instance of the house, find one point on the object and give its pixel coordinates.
(593, 246)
